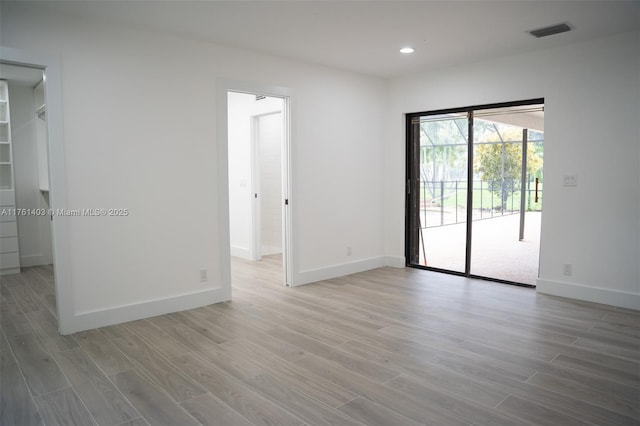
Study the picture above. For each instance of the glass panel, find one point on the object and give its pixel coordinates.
(498, 185)
(442, 191)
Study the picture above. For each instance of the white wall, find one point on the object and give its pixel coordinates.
(34, 232)
(242, 107)
(240, 214)
(592, 116)
(140, 133)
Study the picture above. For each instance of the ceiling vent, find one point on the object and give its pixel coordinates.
(551, 30)
(260, 97)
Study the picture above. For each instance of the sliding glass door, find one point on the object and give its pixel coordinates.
(474, 179)
(440, 170)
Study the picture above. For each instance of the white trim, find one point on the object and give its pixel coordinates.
(33, 260)
(57, 180)
(335, 271)
(223, 87)
(395, 261)
(605, 296)
(11, 271)
(131, 312)
(242, 252)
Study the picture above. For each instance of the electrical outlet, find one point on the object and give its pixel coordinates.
(570, 180)
(348, 250)
(203, 275)
(567, 269)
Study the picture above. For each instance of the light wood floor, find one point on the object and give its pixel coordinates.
(385, 347)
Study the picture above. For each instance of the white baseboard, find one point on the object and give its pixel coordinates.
(268, 250)
(9, 271)
(34, 260)
(119, 314)
(605, 296)
(315, 275)
(242, 252)
(395, 261)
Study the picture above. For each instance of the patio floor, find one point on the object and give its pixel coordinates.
(496, 251)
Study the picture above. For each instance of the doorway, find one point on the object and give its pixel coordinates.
(474, 190)
(258, 178)
(54, 280)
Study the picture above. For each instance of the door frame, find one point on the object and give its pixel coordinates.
(412, 184)
(288, 225)
(57, 181)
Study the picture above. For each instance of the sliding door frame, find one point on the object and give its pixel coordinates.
(412, 202)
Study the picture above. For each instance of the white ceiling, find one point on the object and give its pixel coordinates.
(365, 36)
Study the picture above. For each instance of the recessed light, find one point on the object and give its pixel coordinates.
(407, 50)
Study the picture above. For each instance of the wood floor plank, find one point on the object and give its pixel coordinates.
(39, 368)
(21, 293)
(410, 406)
(161, 372)
(315, 386)
(63, 408)
(372, 414)
(235, 394)
(161, 341)
(630, 375)
(587, 394)
(311, 411)
(41, 290)
(631, 318)
(17, 408)
(135, 422)
(45, 326)
(535, 413)
(154, 405)
(5, 295)
(248, 329)
(206, 329)
(105, 403)
(35, 281)
(456, 358)
(103, 352)
(461, 407)
(354, 363)
(452, 383)
(6, 356)
(238, 367)
(13, 320)
(210, 411)
(629, 351)
(115, 331)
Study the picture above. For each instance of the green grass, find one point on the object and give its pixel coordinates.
(481, 199)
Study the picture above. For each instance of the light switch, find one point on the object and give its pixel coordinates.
(570, 180)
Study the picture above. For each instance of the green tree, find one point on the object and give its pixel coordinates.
(498, 161)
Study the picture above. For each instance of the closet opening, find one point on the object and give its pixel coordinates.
(26, 252)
